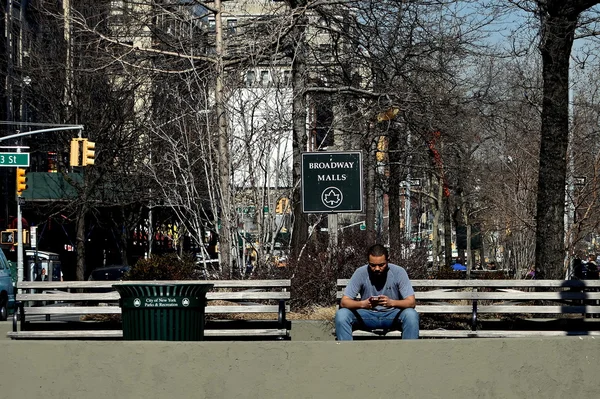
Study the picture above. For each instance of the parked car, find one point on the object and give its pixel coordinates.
(109, 273)
(7, 290)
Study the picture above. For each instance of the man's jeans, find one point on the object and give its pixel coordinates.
(345, 319)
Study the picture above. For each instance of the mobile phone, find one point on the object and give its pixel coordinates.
(375, 298)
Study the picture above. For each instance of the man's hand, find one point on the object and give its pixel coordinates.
(385, 301)
(373, 302)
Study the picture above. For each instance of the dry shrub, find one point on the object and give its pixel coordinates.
(105, 318)
(414, 261)
(314, 275)
(163, 267)
(448, 273)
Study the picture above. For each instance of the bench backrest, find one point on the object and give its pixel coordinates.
(430, 290)
(103, 291)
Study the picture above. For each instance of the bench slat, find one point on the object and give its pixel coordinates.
(109, 284)
(481, 333)
(71, 310)
(114, 296)
(548, 309)
(512, 295)
(66, 334)
(263, 332)
(244, 309)
(119, 333)
(342, 283)
(243, 295)
(66, 296)
(551, 309)
(528, 296)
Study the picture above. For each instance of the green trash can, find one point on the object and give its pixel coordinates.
(163, 311)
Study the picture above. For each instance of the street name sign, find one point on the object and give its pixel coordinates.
(412, 182)
(332, 182)
(14, 159)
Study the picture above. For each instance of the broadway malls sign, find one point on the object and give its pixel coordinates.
(332, 182)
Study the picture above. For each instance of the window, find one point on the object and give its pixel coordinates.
(323, 124)
(286, 78)
(231, 26)
(264, 78)
(250, 78)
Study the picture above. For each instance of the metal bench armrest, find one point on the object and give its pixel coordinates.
(19, 310)
(281, 319)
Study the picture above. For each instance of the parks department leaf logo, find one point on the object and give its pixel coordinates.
(137, 303)
(185, 302)
(332, 197)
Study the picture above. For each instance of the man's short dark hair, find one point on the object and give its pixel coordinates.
(378, 250)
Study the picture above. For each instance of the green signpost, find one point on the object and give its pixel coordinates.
(332, 182)
(14, 159)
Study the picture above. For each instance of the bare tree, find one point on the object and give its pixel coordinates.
(558, 22)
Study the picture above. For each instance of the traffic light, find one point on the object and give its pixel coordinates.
(74, 158)
(25, 239)
(388, 115)
(382, 146)
(82, 152)
(9, 237)
(282, 206)
(88, 152)
(21, 181)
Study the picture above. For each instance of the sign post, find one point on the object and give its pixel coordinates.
(332, 182)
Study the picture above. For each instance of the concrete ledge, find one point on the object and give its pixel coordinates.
(312, 330)
(473, 368)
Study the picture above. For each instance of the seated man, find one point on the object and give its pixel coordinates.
(386, 298)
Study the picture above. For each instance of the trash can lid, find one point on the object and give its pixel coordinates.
(163, 282)
(162, 288)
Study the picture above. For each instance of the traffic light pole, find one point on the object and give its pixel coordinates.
(20, 268)
(32, 132)
(19, 239)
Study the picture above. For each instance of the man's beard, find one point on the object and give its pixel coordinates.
(378, 276)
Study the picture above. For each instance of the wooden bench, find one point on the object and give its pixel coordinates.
(544, 307)
(62, 309)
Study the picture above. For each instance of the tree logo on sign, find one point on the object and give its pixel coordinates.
(332, 197)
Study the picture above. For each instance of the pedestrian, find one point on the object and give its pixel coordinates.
(387, 299)
(530, 273)
(249, 267)
(591, 268)
(42, 276)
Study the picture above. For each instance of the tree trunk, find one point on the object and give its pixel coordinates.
(80, 244)
(556, 43)
(437, 208)
(300, 223)
(394, 194)
(447, 233)
(224, 173)
(370, 164)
